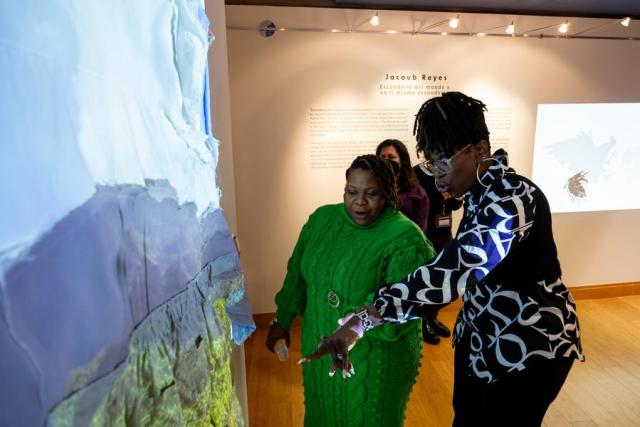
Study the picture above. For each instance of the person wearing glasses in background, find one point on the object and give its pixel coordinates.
(517, 333)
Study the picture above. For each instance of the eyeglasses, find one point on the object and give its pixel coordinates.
(443, 165)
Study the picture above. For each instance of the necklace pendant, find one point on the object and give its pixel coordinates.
(332, 299)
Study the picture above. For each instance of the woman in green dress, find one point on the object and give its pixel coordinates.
(343, 253)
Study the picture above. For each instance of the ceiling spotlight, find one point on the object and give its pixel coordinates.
(481, 34)
(564, 27)
(375, 20)
(510, 28)
(454, 22)
(625, 22)
(444, 33)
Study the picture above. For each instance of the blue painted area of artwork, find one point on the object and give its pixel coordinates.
(240, 313)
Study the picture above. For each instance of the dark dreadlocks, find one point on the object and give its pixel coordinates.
(384, 174)
(448, 123)
(406, 178)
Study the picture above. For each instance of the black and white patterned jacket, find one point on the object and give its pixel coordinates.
(503, 262)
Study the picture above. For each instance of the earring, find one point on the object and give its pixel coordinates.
(482, 160)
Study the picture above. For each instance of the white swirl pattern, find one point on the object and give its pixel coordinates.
(513, 318)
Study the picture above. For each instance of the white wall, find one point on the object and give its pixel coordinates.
(275, 82)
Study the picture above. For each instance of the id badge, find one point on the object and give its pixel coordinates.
(443, 221)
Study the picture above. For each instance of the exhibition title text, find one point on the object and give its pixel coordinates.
(410, 77)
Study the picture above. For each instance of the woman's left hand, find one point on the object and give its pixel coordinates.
(337, 346)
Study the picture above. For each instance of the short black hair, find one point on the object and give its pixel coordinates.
(406, 177)
(383, 172)
(448, 123)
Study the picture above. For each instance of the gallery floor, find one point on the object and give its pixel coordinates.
(603, 391)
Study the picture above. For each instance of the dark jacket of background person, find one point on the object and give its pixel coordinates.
(415, 205)
(439, 237)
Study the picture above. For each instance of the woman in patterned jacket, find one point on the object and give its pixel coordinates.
(517, 333)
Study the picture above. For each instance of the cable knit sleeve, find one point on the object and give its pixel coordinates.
(408, 254)
(501, 221)
(404, 256)
(291, 300)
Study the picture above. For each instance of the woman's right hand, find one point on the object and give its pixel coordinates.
(275, 333)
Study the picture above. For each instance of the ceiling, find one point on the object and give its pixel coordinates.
(591, 8)
(567, 8)
(434, 22)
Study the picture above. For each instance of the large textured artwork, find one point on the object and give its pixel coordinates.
(120, 287)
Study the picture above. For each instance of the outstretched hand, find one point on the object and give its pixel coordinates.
(351, 328)
(337, 346)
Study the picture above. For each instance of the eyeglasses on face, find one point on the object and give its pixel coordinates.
(444, 165)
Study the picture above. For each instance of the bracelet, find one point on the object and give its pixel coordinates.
(363, 315)
(366, 323)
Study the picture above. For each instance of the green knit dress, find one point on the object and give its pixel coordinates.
(335, 268)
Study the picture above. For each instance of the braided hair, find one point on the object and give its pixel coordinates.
(383, 172)
(406, 178)
(448, 123)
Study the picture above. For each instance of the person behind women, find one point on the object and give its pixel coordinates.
(439, 223)
(343, 253)
(415, 205)
(441, 205)
(517, 333)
